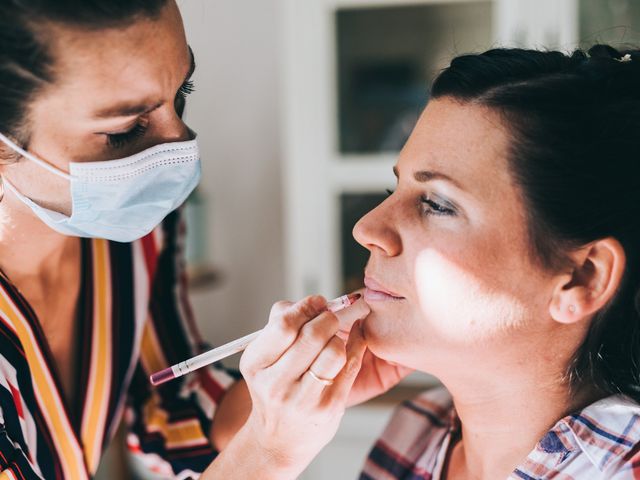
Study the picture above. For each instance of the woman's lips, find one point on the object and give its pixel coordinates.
(376, 292)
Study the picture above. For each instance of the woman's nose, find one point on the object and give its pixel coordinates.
(375, 231)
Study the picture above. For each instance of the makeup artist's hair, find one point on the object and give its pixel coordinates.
(575, 152)
(27, 64)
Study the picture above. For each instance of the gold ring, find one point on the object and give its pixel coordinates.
(324, 381)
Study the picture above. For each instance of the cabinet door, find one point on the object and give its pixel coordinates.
(548, 24)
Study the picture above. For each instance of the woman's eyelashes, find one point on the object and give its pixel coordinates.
(431, 206)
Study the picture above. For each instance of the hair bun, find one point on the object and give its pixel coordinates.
(604, 51)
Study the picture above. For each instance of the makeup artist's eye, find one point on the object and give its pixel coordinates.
(431, 207)
(119, 140)
(187, 88)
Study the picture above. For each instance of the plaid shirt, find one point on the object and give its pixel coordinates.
(600, 442)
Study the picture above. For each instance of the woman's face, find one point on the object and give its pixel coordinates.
(451, 275)
(115, 93)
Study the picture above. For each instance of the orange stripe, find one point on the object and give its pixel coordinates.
(99, 385)
(46, 393)
(151, 354)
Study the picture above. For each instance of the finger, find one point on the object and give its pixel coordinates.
(356, 346)
(312, 339)
(285, 322)
(326, 366)
(347, 317)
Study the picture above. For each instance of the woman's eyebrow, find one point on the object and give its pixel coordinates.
(428, 175)
(128, 109)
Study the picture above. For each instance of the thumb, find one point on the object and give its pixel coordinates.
(347, 317)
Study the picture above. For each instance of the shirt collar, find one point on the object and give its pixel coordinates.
(605, 431)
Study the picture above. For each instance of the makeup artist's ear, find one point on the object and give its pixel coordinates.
(591, 283)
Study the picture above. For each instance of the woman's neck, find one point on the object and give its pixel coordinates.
(504, 418)
(29, 249)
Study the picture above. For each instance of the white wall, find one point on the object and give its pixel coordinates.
(235, 112)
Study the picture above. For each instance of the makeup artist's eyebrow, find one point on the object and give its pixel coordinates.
(427, 175)
(127, 109)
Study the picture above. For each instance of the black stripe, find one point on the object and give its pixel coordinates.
(123, 323)
(84, 329)
(164, 302)
(10, 414)
(14, 459)
(382, 459)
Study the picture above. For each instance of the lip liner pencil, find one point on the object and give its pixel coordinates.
(228, 349)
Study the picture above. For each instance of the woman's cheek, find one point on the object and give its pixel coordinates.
(460, 303)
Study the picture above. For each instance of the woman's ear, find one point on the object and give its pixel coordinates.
(592, 282)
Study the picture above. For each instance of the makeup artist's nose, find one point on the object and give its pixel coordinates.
(172, 128)
(375, 231)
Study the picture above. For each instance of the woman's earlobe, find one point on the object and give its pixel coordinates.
(565, 306)
(592, 284)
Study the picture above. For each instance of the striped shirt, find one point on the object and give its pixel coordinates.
(602, 441)
(133, 319)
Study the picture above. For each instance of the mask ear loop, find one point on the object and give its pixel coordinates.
(34, 159)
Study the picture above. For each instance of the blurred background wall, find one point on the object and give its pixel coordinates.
(235, 110)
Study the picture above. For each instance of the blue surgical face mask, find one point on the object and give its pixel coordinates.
(120, 200)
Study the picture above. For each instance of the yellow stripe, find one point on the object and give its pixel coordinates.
(182, 433)
(151, 354)
(50, 404)
(99, 385)
(7, 475)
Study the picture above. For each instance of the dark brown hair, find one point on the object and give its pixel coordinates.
(26, 62)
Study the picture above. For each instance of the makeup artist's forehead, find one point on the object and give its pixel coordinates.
(141, 60)
(464, 141)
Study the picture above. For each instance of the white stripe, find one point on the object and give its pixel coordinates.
(8, 374)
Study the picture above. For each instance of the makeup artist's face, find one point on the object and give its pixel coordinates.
(451, 275)
(116, 91)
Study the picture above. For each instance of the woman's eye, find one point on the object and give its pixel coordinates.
(432, 207)
(119, 140)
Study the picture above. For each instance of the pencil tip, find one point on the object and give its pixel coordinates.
(353, 297)
(161, 376)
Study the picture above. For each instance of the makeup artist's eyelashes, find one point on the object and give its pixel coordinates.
(187, 88)
(120, 140)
